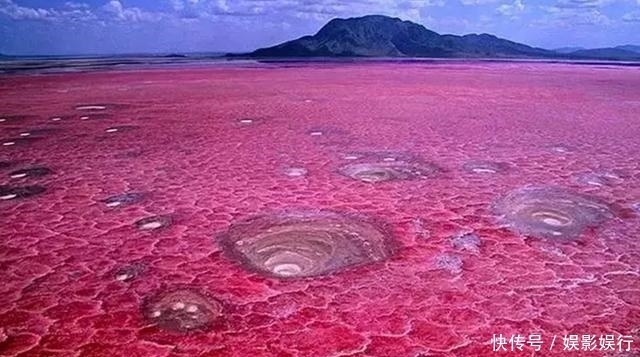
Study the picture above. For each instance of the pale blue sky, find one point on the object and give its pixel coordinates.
(135, 26)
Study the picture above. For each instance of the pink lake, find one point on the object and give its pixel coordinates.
(321, 210)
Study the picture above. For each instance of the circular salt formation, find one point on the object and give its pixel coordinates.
(22, 140)
(305, 244)
(120, 128)
(467, 241)
(182, 310)
(91, 107)
(37, 132)
(560, 149)
(550, 212)
(351, 156)
(95, 116)
(248, 121)
(153, 223)
(485, 167)
(9, 192)
(129, 272)
(450, 263)
(330, 136)
(598, 179)
(294, 172)
(124, 199)
(388, 171)
(39, 171)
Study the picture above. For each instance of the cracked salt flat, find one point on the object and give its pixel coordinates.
(434, 295)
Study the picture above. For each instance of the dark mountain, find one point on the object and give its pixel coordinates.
(568, 49)
(631, 48)
(174, 55)
(626, 52)
(613, 53)
(382, 36)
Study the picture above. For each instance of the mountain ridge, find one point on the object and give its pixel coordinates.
(607, 52)
(383, 36)
(632, 48)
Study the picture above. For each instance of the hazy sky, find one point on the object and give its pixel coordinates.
(125, 26)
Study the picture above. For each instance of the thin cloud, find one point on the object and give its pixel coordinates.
(130, 14)
(511, 10)
(479, 2)
(316, 10)
(74, 11)
(633, 16)
(583, 3)
(565, 17)
(77, 12)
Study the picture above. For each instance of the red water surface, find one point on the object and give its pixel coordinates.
(181, 143)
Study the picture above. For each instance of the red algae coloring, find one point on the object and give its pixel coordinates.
(292, 210)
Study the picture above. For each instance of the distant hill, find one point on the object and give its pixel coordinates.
(174, 55)
(631, 48)
(625, 52)
(568, 49)
(613, 53)
(382, 36)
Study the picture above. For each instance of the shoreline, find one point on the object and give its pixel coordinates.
(101, 64)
